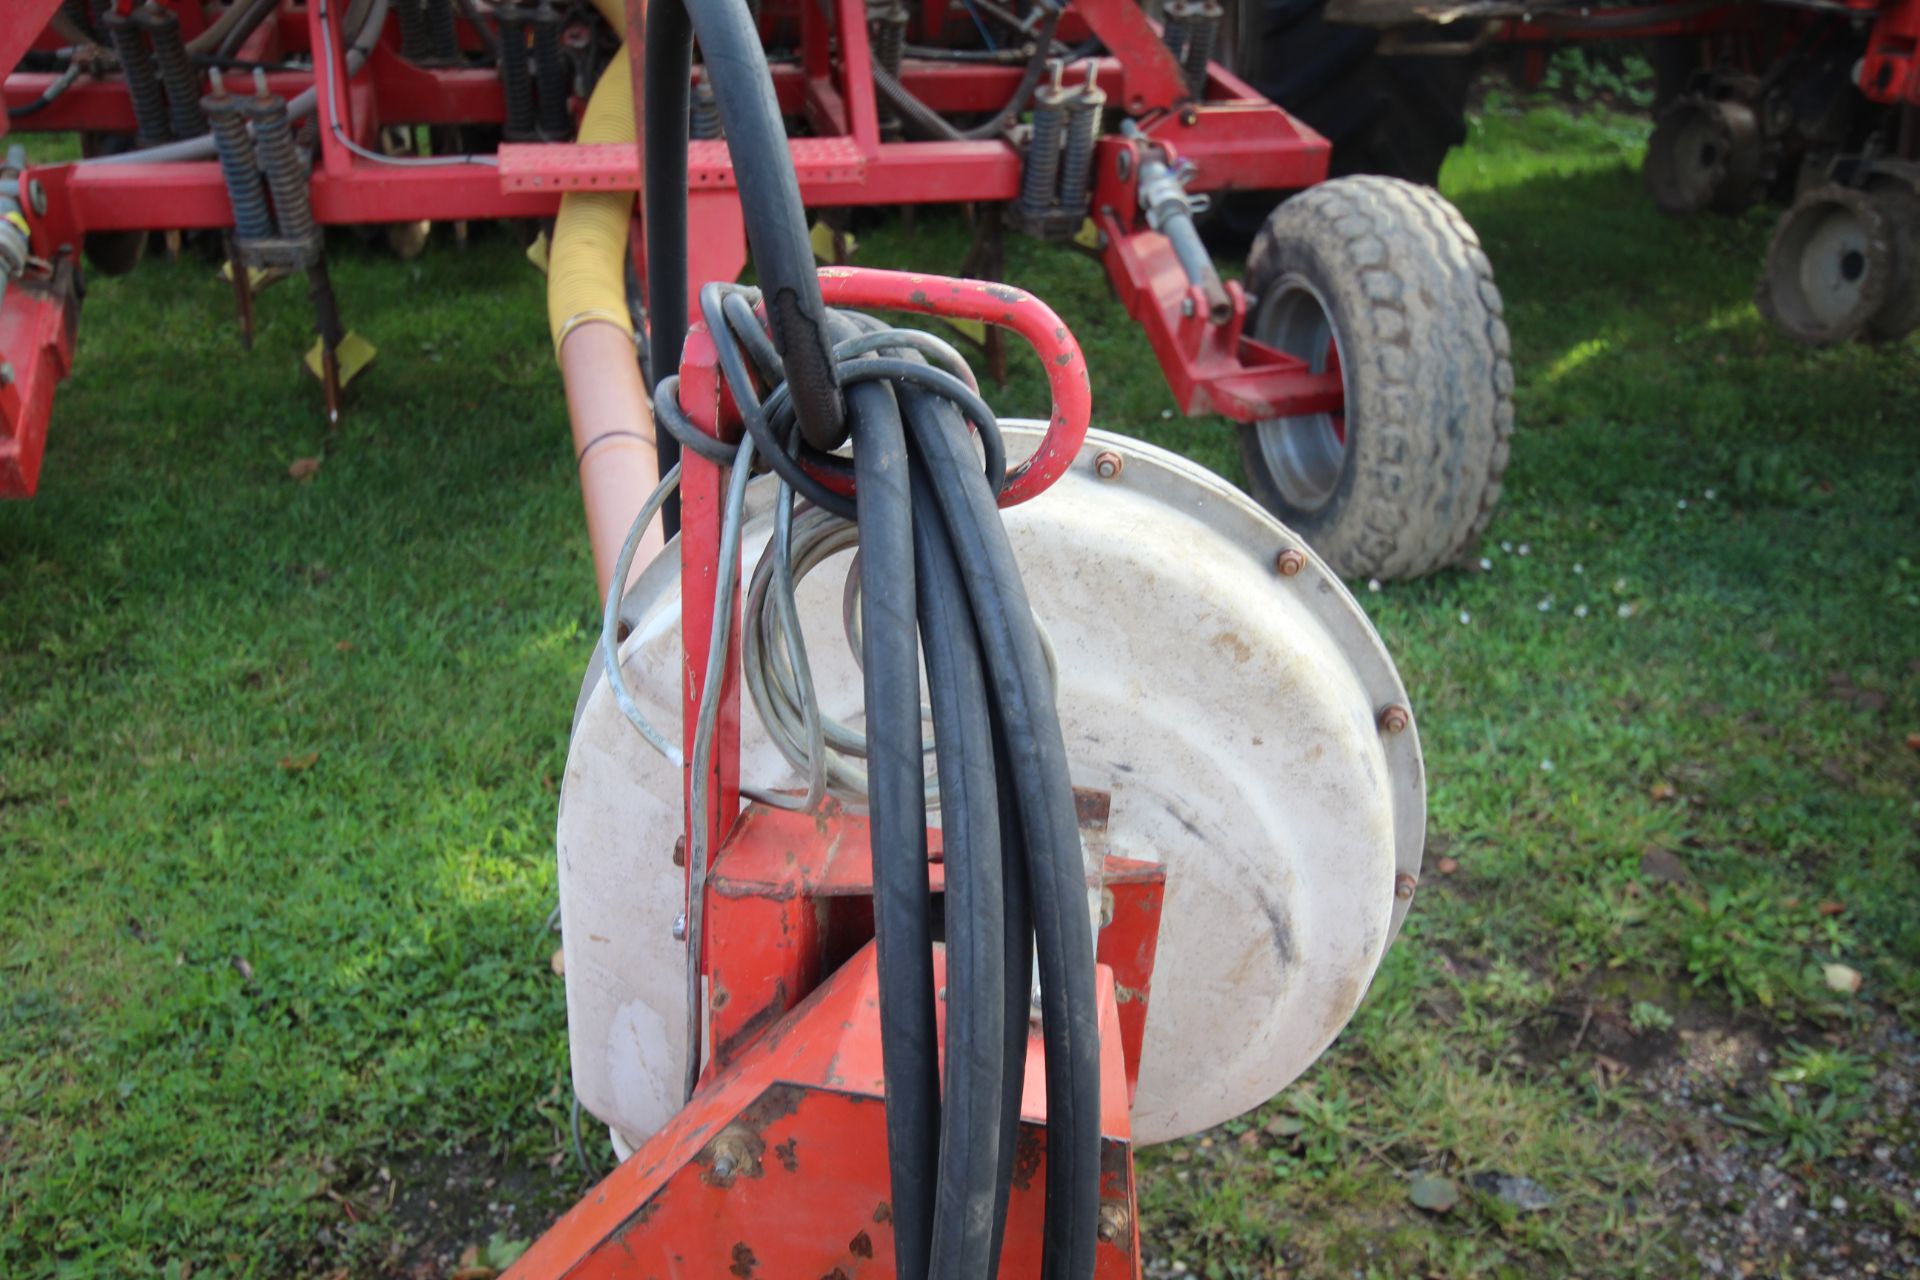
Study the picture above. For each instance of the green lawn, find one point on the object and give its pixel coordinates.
(278, 759)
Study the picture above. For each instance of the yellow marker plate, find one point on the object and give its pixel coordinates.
(258, 278)
(537, 253)
(821, 237)
(1088, 236)
(975, 329)
(355, 354)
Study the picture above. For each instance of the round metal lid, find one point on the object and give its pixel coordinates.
(1247, 722)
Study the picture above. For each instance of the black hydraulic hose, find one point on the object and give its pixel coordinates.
(1023, 693)
(49, 95)
(902, 910)
(935, 125)
(736, 66)
(245, 25)
(1017, 937)
(664, 107)
(969, 1200)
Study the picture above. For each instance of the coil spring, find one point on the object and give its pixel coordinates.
(550, 69)
(1203, 32)
(1083, 130)
(251, 219)
(1038, 183)
(887, 20)
(704, 122)
(1173, 30)
(442, 37)
(516, 82)
(415, 43)
(176, 70)
(151, 120)
(285, 170)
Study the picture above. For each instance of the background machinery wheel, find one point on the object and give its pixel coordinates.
(1830, 267)
(1385, 281)
(1384, 113)
(1705, 153)
(1393, 114)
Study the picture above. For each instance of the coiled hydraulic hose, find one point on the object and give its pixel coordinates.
(1013, 853)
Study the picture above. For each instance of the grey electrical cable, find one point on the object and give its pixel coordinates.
(329, 72)
(706, 724)
(610, 621)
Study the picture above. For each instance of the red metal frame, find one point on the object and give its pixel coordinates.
(1231, 136)
(36, 351)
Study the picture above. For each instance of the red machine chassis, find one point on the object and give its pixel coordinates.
(1232, 138)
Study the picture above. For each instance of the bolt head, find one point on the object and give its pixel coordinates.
(1123, 163)
(680, 927)
(1108, 464)
(1186, 306)
(1290, 561)
(1403, 887)
(1394, 719)
(37, 197)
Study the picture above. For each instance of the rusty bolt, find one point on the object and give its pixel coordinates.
(1290, 562)
(1394, 719)
(1403, 887)
(1115, 1222)
(680, 851)
(736, 1153)
(1108, 464)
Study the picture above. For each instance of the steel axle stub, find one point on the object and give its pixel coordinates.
(1233, 715)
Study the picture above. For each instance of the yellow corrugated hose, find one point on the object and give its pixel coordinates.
(586, 270)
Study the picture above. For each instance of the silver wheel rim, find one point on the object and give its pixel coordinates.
(1306, 454)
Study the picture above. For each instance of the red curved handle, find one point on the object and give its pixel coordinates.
(1010, 308)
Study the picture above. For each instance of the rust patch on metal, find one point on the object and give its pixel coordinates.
(1026, 1157)
(838, 1273)
(720, 997)
(1092, 808)
(883, 1212)
(750, 1030)
(777, 1103)
(861, 1246)
(1005, 293)
(743, 1260)
(786, 1154)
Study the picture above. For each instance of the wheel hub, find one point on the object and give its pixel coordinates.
(1306, 453)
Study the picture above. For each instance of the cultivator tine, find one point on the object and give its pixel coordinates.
(326, 322)
(242, 292)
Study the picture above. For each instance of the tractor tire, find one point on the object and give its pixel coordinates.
(1396, 115)
(1384, 280)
